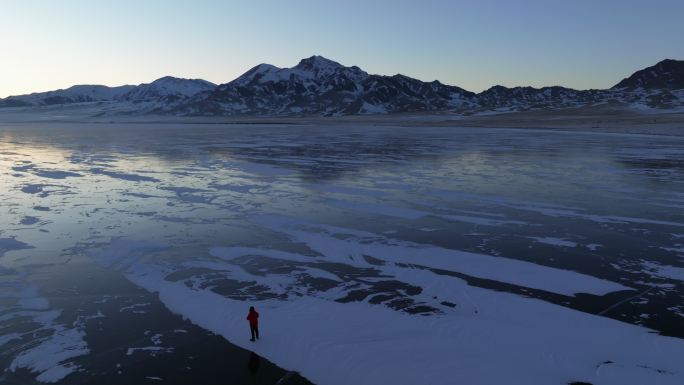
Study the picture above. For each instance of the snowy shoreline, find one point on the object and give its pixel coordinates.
(598, 119)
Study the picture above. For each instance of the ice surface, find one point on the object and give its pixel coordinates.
(120, 253)
(125, 176)
(375, 255)
(9, 244)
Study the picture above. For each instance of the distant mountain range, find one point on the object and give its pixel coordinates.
(319, 86)
(144, 97)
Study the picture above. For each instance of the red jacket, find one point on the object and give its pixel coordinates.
(253, 318)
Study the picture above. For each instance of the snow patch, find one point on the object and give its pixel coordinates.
(555, 241)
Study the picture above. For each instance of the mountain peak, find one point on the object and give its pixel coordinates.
(317, 61)
(165, 79)
(315, 68)
(321, 67)
(666, 74)
(264, 67)
(254, 74)
(168, 86)
(171, 80)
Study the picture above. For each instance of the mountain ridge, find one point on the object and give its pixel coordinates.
(320, 86)
(667, 73)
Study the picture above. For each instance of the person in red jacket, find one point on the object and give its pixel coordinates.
(253, 318)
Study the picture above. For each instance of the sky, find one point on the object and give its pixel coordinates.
(473, 44)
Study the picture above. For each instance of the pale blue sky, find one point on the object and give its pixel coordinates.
(473, 44)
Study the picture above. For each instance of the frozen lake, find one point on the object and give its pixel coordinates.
(130, 254)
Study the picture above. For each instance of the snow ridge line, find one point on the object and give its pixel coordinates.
(611, 307)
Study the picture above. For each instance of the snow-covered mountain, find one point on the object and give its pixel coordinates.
(168, 88)
(75, 94)
(320, 86)
(163, 91)
(660, 86)
(324, 87)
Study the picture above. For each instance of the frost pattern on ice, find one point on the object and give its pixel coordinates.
(50, 357)
(52, 344)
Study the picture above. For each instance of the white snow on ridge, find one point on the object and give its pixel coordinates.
(162, 87)
(80, 93)
(368, 108)
(310, 70)
(167, 86)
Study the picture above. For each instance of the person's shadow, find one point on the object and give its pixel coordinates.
(254, 363)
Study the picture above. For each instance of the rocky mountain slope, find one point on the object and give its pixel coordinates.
(667, 74)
